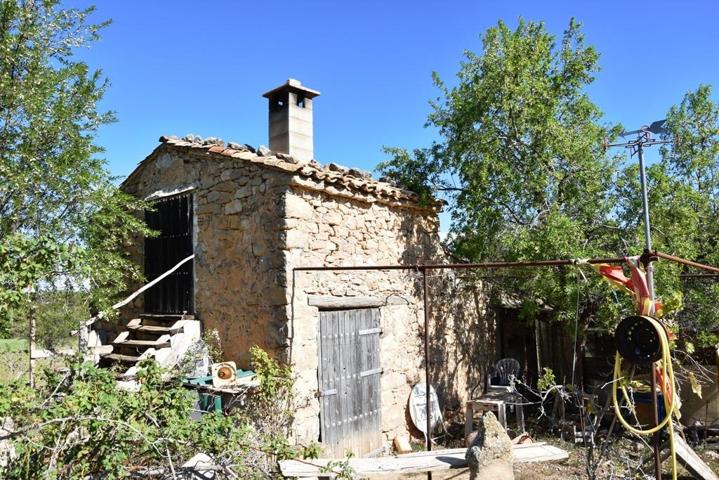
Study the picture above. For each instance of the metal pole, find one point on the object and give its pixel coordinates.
(650, 286)
(689, 263)
(426, 365)
(647, 226)
(460, 266)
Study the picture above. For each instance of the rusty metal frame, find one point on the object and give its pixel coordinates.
(423, 268)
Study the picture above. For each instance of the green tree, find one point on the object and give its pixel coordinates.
(684, 208)
(520, 160)
(61, 215)
(522, 165)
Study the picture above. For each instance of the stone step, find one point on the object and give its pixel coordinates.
(136, 324)
(121, 358)
(159, 343)
(163, 318)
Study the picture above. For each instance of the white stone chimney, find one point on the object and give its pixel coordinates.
(290, 119)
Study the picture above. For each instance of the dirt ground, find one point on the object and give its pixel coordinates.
(621, 463)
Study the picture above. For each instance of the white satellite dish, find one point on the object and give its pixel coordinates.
(418, 408)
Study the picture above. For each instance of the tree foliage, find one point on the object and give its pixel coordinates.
(685, 202)
(61, 215)
(82, 425)
(521, 159)
(522, 163)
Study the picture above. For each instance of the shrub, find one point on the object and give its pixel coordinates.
(80, 424)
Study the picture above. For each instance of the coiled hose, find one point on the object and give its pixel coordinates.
(667, 386)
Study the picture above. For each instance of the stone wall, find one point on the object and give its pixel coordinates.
(323, 231)
(254, 224)
(239, 265)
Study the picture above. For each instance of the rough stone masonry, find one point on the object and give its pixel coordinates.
(260, 214)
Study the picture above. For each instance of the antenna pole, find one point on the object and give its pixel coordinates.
(647, 225)
(650, 286)
(637, 146)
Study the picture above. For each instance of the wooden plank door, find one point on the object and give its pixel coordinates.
(349, 378)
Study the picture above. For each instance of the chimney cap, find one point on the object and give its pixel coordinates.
(292, 85)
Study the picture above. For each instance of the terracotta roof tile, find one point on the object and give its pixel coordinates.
(333, 179)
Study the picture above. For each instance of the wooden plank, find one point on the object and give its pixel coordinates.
(122, 358)
(437, 460)
(687, 457)
(155, 329)
(691, 461)
(321, 373)
(348, 356)
(354, 319)
(145, 343)
(376, 382)
(350, 405)
(349, 419)
(332, 377)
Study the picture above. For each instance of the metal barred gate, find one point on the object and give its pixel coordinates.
(349, 378)
(172, 218)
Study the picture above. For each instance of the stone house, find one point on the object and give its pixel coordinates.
(354, 339)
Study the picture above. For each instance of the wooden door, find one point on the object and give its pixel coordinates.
(349, 378)
(172, 218)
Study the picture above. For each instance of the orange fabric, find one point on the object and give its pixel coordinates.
(665, 389)
(615, 275)
(636, 284)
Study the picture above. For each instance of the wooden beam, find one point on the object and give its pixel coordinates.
(337, 303)
(419, 462)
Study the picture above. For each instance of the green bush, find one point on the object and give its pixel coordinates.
(81, 424)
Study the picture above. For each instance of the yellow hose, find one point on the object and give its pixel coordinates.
(669, 403)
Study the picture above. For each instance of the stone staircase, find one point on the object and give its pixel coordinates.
(163, 337)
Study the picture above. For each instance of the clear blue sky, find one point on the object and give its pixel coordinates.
(180, 67)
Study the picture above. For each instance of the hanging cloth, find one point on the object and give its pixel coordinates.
(636, 284)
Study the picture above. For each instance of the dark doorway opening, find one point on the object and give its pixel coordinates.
(172, 218)
(516, 339)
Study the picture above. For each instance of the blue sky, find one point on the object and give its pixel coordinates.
(179, 67)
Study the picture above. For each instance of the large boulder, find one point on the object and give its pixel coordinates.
(489, 456)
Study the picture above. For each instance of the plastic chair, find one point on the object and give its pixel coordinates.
(500, 393)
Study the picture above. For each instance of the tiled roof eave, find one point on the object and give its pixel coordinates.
(332, 180)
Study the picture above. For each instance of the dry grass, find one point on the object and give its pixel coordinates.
(14, 360)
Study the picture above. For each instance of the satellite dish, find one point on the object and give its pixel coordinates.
(418, 408)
